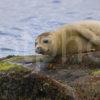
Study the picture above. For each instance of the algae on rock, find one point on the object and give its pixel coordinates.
(71, 82)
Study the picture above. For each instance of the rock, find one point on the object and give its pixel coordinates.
(27, 78)
(20, 83)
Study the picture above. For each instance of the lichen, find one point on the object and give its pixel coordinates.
(96, 72)
(6, 66)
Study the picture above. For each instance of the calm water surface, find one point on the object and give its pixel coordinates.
(22, 20)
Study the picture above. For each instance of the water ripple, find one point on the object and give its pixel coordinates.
(22, 20)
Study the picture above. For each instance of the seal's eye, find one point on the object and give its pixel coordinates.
(45, 41)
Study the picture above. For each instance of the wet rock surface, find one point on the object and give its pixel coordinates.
(34, 81)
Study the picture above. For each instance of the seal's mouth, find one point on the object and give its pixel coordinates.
(42, 52)
(38, 51)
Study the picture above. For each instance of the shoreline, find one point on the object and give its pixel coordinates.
(67, 81)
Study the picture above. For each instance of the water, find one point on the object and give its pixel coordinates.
(22, 20)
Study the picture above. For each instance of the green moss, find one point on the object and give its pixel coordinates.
(96, 72)
(6, 66)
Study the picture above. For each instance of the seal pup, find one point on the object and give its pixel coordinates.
(75, 38)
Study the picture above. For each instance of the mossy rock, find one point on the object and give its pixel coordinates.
(70, 82)
(20, 83)
(5, 66)
(96, 72)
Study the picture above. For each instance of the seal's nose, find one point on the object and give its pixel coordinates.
(38, 50)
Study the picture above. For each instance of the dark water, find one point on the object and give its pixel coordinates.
(22, 20)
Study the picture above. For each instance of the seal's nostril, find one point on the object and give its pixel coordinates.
(39, 48)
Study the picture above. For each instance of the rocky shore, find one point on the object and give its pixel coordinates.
(29, 78)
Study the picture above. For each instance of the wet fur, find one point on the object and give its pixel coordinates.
(85, 33)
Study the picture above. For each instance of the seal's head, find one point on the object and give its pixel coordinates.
(43, 44)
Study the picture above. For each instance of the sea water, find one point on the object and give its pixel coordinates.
(22, 20)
